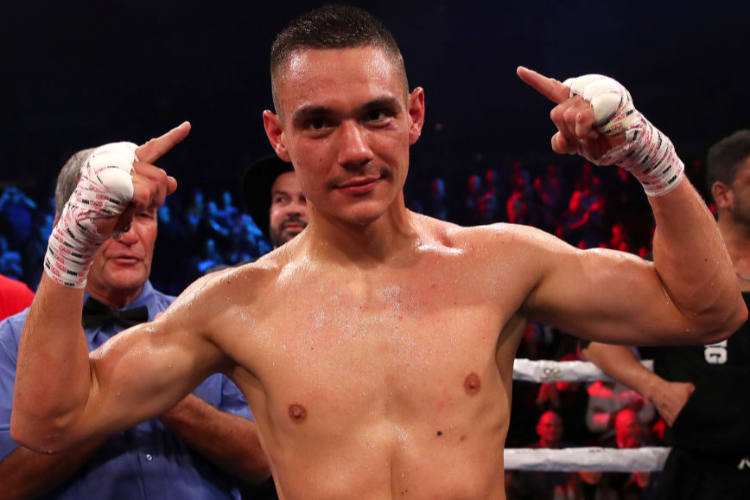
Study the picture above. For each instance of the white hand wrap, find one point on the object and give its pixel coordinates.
(104, 190)
(646, 153)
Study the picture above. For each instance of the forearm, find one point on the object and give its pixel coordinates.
(692, 262)
(229, 441)
(53, 378)
(25, 474)
(620, 363)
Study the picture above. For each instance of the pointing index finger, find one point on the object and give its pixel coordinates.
(548, 87)
(156, 148)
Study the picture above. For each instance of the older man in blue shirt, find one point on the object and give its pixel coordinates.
(200, 449)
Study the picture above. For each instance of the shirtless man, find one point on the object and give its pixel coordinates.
(376, 348)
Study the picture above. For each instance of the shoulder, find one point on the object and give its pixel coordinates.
(221, 290)
(508, 238)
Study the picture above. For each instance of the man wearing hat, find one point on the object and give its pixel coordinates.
(274, 200)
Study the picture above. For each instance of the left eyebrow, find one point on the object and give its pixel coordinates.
(389, 103)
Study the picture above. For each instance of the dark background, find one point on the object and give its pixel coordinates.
(76, 75)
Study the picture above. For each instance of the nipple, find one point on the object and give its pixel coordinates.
(472, 384)
(297, 413)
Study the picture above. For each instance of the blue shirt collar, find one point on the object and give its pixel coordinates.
(145, 298)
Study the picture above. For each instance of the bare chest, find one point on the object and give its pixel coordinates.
(366, 349)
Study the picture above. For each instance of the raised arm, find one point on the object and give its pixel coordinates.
(62, 396)
(689, 294)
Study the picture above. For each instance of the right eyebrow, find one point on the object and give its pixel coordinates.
(306, 112)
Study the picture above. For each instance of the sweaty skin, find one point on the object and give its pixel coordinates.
(384, 379)
(376, 348)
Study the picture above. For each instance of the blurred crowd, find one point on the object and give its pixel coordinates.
(585, 205)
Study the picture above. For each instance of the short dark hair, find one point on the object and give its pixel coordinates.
(68, 179)
(332, 27)
(726, 157)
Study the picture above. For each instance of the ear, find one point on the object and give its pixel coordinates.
(275, 134)
(416, 114)
(722, 195)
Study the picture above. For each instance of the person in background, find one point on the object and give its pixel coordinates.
(205, 447)
(14, 297)
(701, 390)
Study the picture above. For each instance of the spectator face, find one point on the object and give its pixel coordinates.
(740, 200)
(549, 429)
(122, 266)
(628, 430)
(288, 215)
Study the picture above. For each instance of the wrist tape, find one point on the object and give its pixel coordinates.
(104, 190)
(646, 153)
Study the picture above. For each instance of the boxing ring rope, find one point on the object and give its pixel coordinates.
(527, 370)
(577, 459)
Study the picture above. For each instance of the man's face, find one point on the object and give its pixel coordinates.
(549, 429)
(288, 214)
(628, 430)
(740, 208)
(122, 266)
(346, 124)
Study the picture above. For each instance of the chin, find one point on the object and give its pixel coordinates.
(364, 212)
(128, 278)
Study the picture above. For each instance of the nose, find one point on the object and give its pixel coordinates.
(297, 207)
(129, 237)
(354, 151)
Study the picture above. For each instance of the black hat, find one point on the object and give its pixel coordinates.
(256, 188)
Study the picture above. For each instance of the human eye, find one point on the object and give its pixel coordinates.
(280, 199)
(378, 116)
(318, 125)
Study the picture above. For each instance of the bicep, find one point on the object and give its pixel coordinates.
(606, 296)
(144, 371)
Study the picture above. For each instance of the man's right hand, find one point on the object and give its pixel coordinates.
(117, 182)
(670, 399)
(151, 184)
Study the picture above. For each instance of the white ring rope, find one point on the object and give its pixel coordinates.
(577, 459)
(590, 459)
(527, 370)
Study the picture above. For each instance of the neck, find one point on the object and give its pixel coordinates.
(549, 444)
(381, 241)
(117, 299)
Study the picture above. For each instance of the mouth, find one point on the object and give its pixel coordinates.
(293, 227)
(359, 186)
(125, 260)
